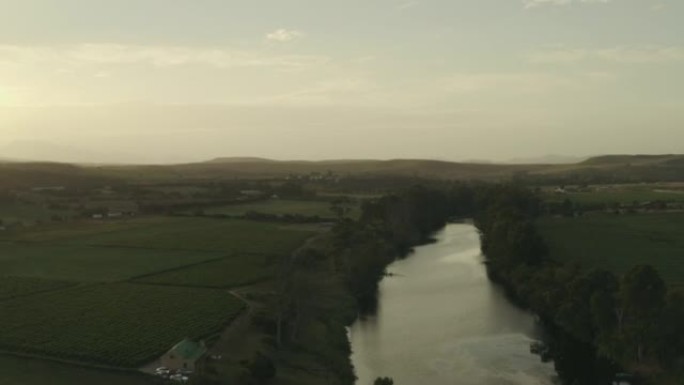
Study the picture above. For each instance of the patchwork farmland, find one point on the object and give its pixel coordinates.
(119, 294)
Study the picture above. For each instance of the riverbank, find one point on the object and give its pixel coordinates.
(297, 333)
(627, 321)
(389, 229)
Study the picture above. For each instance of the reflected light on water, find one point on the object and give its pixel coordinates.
(440, 321)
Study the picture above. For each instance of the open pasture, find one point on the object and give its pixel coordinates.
(619, 242)
(120, 324)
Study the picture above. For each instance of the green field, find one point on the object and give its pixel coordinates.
(71, 296)
(11, 287)
(119, 324)
(22, 371)
(230, 272)
(622, 196)
(279, 207)
(28, 214)
(197, 234)
(88, 263)
(618, 242)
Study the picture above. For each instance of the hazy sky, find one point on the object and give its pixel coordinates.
(177, 80)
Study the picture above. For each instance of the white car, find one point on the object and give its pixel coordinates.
(162, 371)
(179, 378)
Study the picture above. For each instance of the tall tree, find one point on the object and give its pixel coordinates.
(642, 295)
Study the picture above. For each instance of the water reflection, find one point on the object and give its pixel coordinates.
(440, 321)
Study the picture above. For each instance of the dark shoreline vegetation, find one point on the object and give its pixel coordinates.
(598, 323)
(333, 279)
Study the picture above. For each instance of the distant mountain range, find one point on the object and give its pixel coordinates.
(612, 168)
(241, 160)
(45, 151)
(549, 159)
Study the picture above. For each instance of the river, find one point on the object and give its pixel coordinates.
(441, 322)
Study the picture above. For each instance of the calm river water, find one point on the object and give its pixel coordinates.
(441, 322)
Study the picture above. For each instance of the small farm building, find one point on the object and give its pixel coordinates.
(184, 355)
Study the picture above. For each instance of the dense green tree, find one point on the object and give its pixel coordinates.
(575, 315)
(262, 369)
(670, 333)
(383, 381)
(642, 295)
(341, 207)
(567, 208)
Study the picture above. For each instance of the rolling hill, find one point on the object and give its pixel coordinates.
(611, 169)
(37, 174)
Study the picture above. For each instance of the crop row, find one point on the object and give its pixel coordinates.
(230, 272)
(174, 233)
(11, 287)
(121, 324)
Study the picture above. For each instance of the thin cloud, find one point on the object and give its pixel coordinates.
(284, 35)
(69, 56)
(407, 5)
(339, 91)
(538, 3)
(642, 54)
(522, 83)
(558, 56)
(624, 54)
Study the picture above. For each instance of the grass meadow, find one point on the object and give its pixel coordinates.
(619, 242)
(28, 214)
(621, 195)
(280, 207)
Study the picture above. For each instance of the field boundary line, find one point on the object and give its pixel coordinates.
(71, 285)
(83, 364)
(109, 246)
(178, 268)
(226, 287)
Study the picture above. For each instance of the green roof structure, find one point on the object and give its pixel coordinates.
(189, 349)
